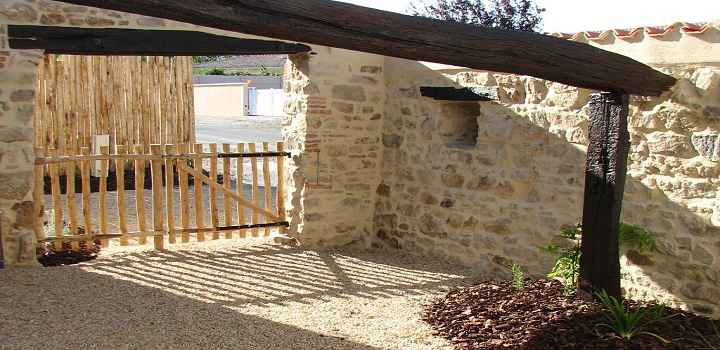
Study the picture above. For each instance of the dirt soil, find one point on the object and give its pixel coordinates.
(492, 315)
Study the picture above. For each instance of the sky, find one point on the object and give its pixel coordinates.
(579, 15)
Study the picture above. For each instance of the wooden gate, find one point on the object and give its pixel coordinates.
(184, 191)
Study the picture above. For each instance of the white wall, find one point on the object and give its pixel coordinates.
(220, 100)
(266, 102)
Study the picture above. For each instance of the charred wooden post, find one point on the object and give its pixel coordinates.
(609, 143)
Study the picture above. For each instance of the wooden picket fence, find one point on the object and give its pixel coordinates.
(132, 99)
(177, 213)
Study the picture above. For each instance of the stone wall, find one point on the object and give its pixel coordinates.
(17, 85)
(495, 200)
(333, 125)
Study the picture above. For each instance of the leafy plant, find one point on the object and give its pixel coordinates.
(626, 323)
(518, 277)
(638, 238)
(216, 71)
(567, 266)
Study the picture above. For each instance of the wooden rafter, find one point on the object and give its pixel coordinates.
(353, 27)
(107, 42)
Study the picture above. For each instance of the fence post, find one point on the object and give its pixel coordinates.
(140, 193)
(120, 189)
(38, 201)
(213, 192)
(104, 150)
(198, 188)
(86, 209)
(169, 191)
(266, 185)
(281, 186)
(157, 197)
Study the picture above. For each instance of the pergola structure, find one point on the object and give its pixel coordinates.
(333, 24)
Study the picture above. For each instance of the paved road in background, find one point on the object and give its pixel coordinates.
(240, 129)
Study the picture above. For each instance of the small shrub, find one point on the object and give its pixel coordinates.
(567, 266)
(216, 71)
(626, 323)
(518, 277)
(638, 238)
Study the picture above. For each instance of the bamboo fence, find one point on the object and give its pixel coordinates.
(174, 217)
(136, 100)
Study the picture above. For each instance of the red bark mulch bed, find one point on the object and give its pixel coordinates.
(492, 315)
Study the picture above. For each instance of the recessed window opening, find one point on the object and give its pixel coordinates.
(458, 124)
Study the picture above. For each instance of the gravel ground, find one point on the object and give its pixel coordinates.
(240, 294)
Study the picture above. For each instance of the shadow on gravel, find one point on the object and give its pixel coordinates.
(186, 299)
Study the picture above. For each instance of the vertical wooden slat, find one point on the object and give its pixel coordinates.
(280, 199)
(70, 200)
(266, 183)
(120, 181)
(240, 186)
(227, 211)
(198, 187)
(56, 201)
(255, 192)
(213, 192)
(157, 197)
(184, 196)
(170, 192)
(86, 209)
(140, 194)
(38, 197)
(104, 164)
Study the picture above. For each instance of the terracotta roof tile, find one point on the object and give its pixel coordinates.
(653, 31)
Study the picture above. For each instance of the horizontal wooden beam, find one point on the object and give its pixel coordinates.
(358, 28)
(109, 42)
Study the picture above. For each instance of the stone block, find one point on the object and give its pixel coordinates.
(349, 93)
(707, 145)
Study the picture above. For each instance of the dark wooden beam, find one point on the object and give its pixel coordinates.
(88, 41)
(453, 94)
(605, 173)
(353, 27)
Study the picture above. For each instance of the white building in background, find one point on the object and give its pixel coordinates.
(219, 96)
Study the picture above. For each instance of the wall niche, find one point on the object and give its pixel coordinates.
(458, 124)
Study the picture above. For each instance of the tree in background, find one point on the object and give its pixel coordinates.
(522, 15)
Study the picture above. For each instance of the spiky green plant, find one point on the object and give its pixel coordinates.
(567, 265)
(518, 277)
(626, 323)
(638, 238)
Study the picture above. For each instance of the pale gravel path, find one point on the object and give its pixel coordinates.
(226, 295)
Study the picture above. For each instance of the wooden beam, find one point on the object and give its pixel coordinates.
(353, 27)
(92, 41)
(605, 173)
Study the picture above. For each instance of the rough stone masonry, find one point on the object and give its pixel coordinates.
(377, 165)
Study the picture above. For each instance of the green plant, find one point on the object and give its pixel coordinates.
(567, 265)
(627, 323)
(637, 237)
(518, 277)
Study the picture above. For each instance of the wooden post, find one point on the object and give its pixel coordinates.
(267, 189)
(227, 212)
(240, 187)
(198, 189)
(606, 167)
(120, 181)
(56, 202)
(157, 197)
(184, 196)
(104, 164)
(38, 198)
(70, 200)
(213, 192)
(170, 191)
(255, 192)
(140, 194)
(86, 209)
(281, 186)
